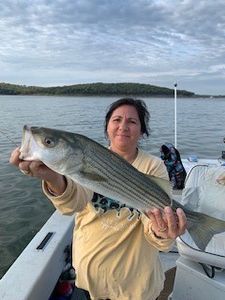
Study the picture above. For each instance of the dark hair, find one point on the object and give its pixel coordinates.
(139, 105)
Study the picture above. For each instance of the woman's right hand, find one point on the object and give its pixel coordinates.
(55, 182)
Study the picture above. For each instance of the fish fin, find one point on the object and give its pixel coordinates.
(203, 227)
(163, 184)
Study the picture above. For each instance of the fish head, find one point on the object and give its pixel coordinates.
(58, 149)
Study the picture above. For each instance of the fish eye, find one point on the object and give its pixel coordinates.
(49, 142)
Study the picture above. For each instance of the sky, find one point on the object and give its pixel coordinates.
(158, 42)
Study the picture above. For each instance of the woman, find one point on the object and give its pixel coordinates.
(115, 247)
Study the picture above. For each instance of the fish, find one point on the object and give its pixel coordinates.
(101, 170)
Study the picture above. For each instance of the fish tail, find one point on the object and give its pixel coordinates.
(203, 227)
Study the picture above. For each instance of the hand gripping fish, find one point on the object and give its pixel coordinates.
(104, 172)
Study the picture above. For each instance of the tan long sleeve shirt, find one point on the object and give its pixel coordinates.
(115, 253)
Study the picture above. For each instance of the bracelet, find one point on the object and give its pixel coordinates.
(158, 237)
(51, 192)
(155, 235)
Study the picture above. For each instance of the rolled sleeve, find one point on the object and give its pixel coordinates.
(164, 245)
(74, 199)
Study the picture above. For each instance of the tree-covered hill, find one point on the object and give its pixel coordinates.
(93, 89)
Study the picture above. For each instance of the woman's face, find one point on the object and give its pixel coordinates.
(124, 127)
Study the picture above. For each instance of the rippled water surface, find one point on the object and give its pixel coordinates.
(24, 209)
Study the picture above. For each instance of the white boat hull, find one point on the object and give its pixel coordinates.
(35, 272)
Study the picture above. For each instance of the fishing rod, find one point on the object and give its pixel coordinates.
(9, 139)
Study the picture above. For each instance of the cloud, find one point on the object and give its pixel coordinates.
(71, 41)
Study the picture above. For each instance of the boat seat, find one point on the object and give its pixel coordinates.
(203, 193)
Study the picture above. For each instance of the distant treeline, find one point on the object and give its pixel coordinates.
(93, 89)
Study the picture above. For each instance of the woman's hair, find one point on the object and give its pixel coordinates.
(140, 107)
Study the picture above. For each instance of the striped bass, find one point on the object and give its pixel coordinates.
(106, 173)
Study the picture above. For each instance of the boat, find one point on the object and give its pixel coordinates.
(201, 274)
(39, 268)
(35, 272)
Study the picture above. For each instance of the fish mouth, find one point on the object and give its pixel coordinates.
(30, 129)
(27, 145)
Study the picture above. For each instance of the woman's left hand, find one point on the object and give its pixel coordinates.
(166, 223)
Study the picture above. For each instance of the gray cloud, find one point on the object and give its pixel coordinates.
(72, 41)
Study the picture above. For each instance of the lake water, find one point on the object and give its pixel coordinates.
(24, 209)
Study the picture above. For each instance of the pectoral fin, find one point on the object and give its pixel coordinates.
(91, 175)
